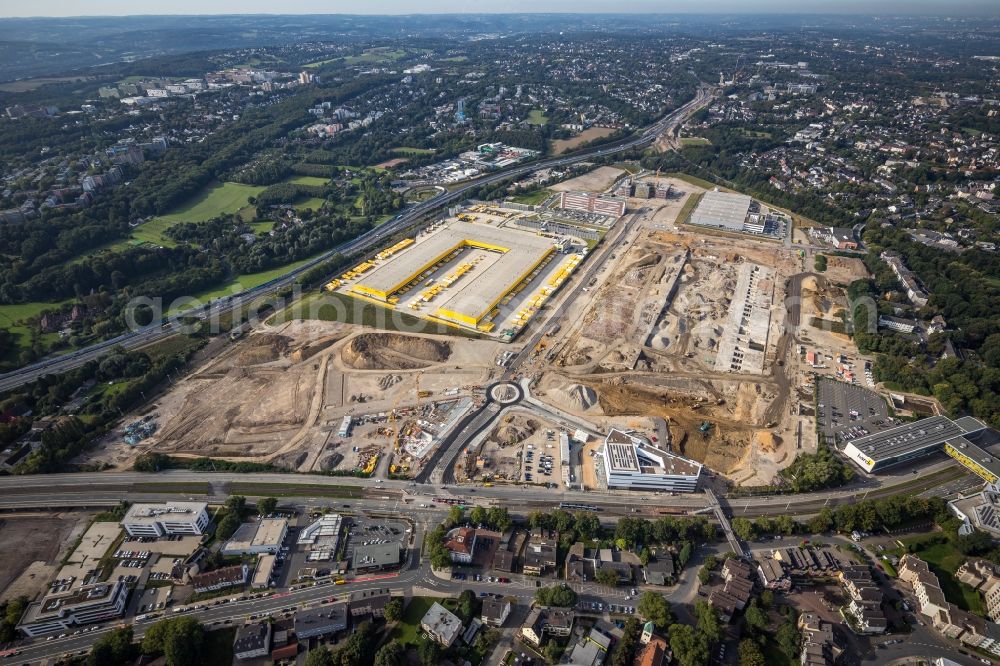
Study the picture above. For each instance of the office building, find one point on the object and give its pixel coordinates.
(591, 202)
(156, 520)
(83, 605)
(632, 463)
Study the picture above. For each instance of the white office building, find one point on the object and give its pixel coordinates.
(631, 462)
(86, 604)
(156, 520)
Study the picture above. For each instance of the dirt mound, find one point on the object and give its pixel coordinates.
(388, 380)
(262, 348)
(392, 351)
(308, 351)
(767, 440)
(575, 397)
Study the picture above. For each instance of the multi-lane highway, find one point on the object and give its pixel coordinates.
(374, 237)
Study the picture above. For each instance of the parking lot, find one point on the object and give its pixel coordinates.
(846, 411)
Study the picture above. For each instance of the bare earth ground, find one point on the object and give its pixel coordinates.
(597, 180)
(279, 394)
(845, 270)
(560, 146)
(31, 546)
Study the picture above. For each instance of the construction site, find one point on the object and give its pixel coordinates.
(692, 338)
(478, 270)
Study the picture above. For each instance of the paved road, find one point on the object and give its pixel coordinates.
(411, 217)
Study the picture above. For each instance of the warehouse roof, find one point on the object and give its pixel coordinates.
(722, 209)
(915, 436)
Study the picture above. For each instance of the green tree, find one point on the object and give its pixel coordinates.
(183, 643)
(655, 608)
(689, 646)
(499, 518)
(390, 654)
(755, 618)
(228, 525)
(430, 653)
(455, 516)
(236, 504)
(789, 639)
(707, 621)
(607, 577)
(393, 610)
(553, 651)
(744, 529)
(178, 639)
(556, 595)
(478, 515)
(113, 648)
(684, 556)
(750, 653)
(321, 656)
(267, 505)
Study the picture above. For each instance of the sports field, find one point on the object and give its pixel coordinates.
(213, 201)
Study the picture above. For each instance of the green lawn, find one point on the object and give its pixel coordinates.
(408, 150)
(695, 141)
(262, 227)
(10, 314)
(532, 198)
(213, 201)
(944, 559)
(315, 203)
(380, 54)
(537, 117)
(308, 180)
(406, 629)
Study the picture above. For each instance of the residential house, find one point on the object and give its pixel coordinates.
(210, 581)
(253, 640)
(540, 553)
(773, 575)
(543, 620)
(591, 650)
(369, 602)
(660, 570)
(495, 611)
(441, 625)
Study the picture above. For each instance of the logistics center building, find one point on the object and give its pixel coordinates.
(880, 450)
(472, 306)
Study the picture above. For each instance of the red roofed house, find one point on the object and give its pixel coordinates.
(462, 545)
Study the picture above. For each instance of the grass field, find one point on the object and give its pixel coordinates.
(695, 141)
(380, 54)
(315, 203)
(213, 201)
(688, 208)
(406, 629)
(537, 117)
(315, 181)
(532, 198)
(407, 150)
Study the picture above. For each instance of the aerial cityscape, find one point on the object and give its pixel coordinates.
(600, 335)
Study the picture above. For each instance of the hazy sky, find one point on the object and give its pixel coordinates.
(10, 8)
